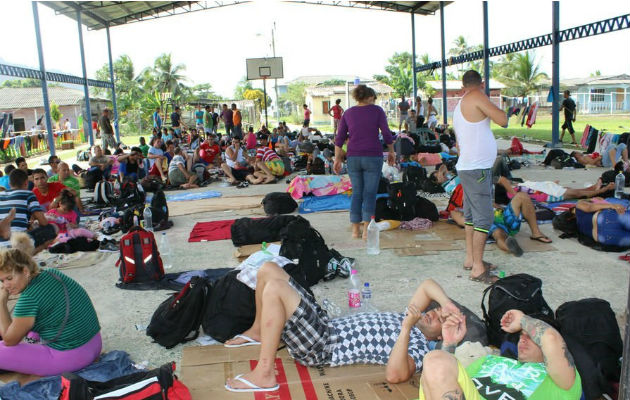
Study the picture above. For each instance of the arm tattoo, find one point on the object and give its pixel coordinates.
(454, 395)
(450, 349)
(535, 328)
(568, 356)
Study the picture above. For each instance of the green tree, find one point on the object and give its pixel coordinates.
(596, 73)
(55, 113)
(400, 74)
(257, 95)
(241, 87)
(333, 82)
(295, 95)
(524, 75)
(23, 83)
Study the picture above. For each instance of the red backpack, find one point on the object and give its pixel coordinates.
(457, 198)
(139, 257)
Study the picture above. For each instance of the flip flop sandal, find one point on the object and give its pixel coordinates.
(539, 239)
(485, 277)
(514, 247)
(488, 266)
(625, 258)
(251, 389)
(248, 342)
(242, 185)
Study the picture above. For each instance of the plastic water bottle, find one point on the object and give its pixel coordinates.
(373, 243)
(354, 295)
(366, 297)
(165, 252)
(148, 218)
(620, 182)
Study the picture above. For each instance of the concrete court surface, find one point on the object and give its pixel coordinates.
(570, 273)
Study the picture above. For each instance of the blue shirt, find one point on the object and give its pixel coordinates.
(157, 120)
(199, 117)
(4, 182)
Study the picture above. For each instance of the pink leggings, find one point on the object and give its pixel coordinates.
(39, 359)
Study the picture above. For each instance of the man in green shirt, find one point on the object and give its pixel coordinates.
(64, 176)
(144, 147)
(208, 121)
(544, 370)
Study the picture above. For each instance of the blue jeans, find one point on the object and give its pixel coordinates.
(365, 173)
(619, 148)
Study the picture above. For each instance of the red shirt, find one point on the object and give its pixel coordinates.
(336, 109)
(54, 188)
(307, 114)
(208, 153)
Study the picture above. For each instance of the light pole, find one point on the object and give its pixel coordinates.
(275, 81)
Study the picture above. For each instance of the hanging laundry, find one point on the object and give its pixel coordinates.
(531, 116)
(525, 113)
(551, 97)
(584, 140)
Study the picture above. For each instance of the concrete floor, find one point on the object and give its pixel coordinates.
(572, 272)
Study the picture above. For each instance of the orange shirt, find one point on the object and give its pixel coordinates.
(236, 117)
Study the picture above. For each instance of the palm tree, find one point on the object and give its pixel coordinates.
(523, 75)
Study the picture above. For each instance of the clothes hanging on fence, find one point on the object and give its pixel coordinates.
(525, 114)
(531, 116)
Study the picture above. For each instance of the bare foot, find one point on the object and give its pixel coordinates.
(5, 225)
(260, 380)
(356, 231)
(365, 230)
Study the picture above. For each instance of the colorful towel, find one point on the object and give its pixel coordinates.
(211, 231)
(325, 203)
(562, 206)
(318, 185)
(187, 196)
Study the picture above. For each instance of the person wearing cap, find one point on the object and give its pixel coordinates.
(107, 132)
(132, 164)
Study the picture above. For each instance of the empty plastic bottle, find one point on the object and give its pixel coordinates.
(354, 295)
(165, 252)
(373, 243)
(620, 182)
(366, 298)
(148, 218)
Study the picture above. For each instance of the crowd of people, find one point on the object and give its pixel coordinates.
(46, 336)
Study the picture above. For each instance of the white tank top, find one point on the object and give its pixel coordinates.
(477, 146)
(239, 158)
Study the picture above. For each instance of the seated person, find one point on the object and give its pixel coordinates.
(100, 164)
(263, 132)
(115, 163)
(315, 135)
(47, 193)
(235, 165)
(27, 208)
(195, 140)
(614, 153)
(250, 139)
(157, 159)
(545, 369)
(20, 163)
(170, 135)
(290, 313)
(208, 153)
(70, 337)
(268, 161)
(132, 164)
(170, 150)
(53, 161)
(550, 192)
(143, 146)
(4, 180)
(610, 227)
(283, 146)
(66, 219)
(178, 174)
(65, 177)
(410, 123)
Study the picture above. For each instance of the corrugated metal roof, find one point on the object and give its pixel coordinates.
(15, 98)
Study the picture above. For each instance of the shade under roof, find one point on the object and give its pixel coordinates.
(100, 14)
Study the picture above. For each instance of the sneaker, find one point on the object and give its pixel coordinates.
(108, 246)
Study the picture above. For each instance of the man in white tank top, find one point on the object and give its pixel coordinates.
(477, 153)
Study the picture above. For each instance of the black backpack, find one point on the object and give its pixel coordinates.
(302, 242)
(91, 177)
(278, 203)
(317, 167)
(230, 308)
(591, 332)
(159, 208)
(520, 292)
(554, 153)
(404, 147)
(103, 193)
(257, 230)
(402, 200)
(130, 195)
(178, 319)
(416, 175)
(425, 208)
(566, 223)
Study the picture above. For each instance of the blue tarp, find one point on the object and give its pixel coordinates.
(185, 196)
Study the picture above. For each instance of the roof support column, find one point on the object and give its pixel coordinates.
(486, 53)
(86, 90)
(444, 99)
(111, 78)
(555, 73)
(42, 68)
(413, 59)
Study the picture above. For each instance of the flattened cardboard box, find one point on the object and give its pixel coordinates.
(205, 369)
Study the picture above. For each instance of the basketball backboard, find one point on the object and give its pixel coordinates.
(260, 68)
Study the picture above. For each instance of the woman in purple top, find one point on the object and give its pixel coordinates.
(360, 125)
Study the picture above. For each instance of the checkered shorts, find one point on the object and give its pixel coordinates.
(307, 333)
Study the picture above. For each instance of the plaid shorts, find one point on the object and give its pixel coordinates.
(307, 333)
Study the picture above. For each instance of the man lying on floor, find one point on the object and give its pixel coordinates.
(550, 192)
(285, 310)
(545, 368)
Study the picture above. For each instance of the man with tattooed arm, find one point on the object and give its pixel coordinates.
(544, 369)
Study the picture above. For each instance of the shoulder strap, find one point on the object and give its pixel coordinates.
(486, 318)
(67, 316)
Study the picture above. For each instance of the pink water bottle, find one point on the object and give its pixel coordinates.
(354, 293)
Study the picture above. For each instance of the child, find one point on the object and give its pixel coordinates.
(144, 146)
(65, 218)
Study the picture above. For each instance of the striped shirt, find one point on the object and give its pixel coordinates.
(44, 299)
(266, 154)
(25, 204)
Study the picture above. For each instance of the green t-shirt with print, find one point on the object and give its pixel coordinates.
(208, 122)
(70, 181)
(498, 377)
(44, 299)
(145, 149)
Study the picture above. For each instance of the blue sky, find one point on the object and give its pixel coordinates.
(313, 40)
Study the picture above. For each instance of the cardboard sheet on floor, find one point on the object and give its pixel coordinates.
(249, 249)
(205, 369)
(216, 204)
(528, 245)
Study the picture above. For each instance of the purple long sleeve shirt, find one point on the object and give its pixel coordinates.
(362, 124)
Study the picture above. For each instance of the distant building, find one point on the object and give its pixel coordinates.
(27, 105)
(600, 94)
(321, 98)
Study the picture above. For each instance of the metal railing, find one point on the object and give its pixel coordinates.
(33, 143)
